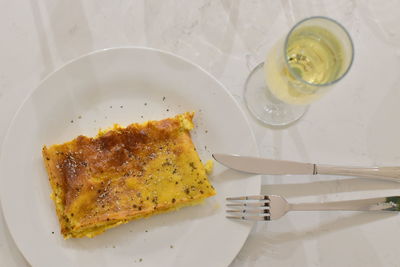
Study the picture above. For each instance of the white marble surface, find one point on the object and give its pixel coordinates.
(355, 124)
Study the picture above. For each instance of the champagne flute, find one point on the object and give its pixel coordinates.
(316, 54)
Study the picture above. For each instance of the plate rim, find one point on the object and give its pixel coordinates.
(104, 50)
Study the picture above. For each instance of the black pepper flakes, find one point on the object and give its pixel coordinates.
(166, 163)
(52, 233)
(72, 121)
(47, 158)
(167, 109)
(173, 200)
(121, 106)
(163, 98)
(187, 191)
(192, 165)
(145, 104)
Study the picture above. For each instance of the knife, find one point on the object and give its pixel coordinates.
(284, 167)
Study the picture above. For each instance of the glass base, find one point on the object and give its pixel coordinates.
(265, 106)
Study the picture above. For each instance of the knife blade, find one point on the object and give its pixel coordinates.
(263, 165)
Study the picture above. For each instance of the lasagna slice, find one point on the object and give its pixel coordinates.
(124, 174)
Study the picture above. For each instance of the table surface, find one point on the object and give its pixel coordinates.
(354, 124)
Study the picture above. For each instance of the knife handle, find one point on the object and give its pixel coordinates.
(385, 173)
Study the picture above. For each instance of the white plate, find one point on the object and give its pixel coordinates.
(125, 85)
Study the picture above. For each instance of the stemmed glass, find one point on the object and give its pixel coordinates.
(316, 54)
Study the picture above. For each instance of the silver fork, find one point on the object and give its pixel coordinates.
(272, 207)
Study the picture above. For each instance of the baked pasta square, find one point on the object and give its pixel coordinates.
(125, 173)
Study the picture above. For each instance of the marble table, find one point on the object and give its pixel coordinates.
(354, 124)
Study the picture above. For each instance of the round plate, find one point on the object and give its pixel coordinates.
(125, 85)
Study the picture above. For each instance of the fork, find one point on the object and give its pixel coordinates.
(272, 207)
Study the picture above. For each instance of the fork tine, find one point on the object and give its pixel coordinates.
(250, 218)
(252, 211)
(248, 198)
(257, 204)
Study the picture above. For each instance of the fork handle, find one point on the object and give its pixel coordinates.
(385, 173)
(370, 204)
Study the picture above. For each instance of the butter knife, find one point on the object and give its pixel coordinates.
(284, 167)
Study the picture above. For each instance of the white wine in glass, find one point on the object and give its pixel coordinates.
(298, 70)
